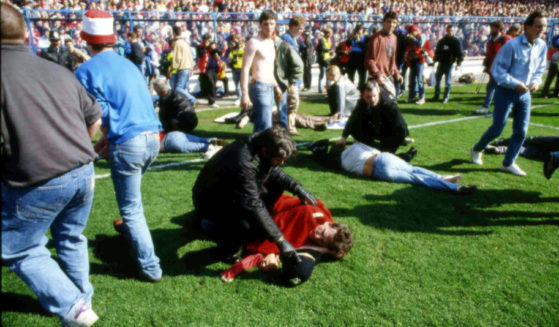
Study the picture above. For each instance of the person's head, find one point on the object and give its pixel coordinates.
(54, 38)
(450, 30)
(297, 25)
(534, 25)
(389, 22)
(327, 33)
(139, 31)
(358, 31)
(206, 39)
(413, 30)
(12, 24)
(98, 30)
(177, 31)
(338, 238)
(371, 92)
(69, 44)
(267, 22)
(161, 87)
(274, 145)
(333, 73)
(514, 30)
(131, 37)
(495, 27)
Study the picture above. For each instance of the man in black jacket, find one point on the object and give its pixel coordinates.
(56, 53)
(238, 186)
(176, 112)
(306, 49)
(377, 123)
(447, 52)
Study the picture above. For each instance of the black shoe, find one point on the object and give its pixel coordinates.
(466, 190)
(408, 156)
(549, 166)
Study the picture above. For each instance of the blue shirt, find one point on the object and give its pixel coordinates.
(518, 61)
(122, 93)
(289, 39)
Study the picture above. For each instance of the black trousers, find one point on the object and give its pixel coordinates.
(207, 85)
(307, 75)
(553, 72)
(535, 147)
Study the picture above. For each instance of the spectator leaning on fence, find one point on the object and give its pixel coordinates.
(47, 175)
(518, 70)
(129, 122)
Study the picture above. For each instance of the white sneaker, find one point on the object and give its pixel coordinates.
(513, 169)
(237, 103)
(476, 157)
(420, 101)
(84, 318)
(445, 100)
(481, 111)
(212, 150)
(215, 105)
(243, 122)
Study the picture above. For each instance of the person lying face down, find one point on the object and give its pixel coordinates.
(312, 232)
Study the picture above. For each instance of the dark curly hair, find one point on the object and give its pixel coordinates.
(277, 141)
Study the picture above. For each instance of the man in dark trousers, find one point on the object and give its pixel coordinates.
(56, 53)
(306, 49)
(47, 175)
(176, 112)
(447, 53)
(237, 188)
(377, 123)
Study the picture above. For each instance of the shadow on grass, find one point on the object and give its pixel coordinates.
(416, 209)
(430, 111)
(12, 302)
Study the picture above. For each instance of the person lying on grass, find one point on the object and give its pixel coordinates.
(363, 160)
(312, 232)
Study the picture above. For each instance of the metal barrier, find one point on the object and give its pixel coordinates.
(473, 31)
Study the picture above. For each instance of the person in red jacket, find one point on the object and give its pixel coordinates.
(417, 53)
(497, 40)
(310, 229)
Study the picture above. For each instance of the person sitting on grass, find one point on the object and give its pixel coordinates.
(342, 94)
(176, 112)
(363, 160)
(377, 123)
(309, 228)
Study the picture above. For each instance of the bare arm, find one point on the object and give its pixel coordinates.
(248, 57)
(93, 128)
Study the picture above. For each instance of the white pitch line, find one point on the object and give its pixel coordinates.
(444, 122)
(546, 126)
(102, 176)
(544, 105)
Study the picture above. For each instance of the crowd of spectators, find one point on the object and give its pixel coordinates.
(157, 17)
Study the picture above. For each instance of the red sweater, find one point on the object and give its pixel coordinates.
(493, 46)
(295, 220)
(380, 58)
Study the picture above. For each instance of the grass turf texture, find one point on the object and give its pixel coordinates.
(421, 257)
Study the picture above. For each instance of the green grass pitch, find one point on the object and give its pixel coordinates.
(421, 257)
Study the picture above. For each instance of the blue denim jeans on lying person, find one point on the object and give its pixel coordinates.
(505, 101)
(179, 142)
(62, 204)
(262, 98)
(390, 168)
(129, 161)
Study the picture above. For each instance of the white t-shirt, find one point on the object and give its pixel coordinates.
(354, 157)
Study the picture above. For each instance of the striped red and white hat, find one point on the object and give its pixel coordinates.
(98, 27)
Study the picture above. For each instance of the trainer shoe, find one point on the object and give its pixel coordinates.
(243, 122)
(491, 149)
(445, 100)
(481, 111)
(420, 101)
(476, 157)
(85, 317)
(549, 166)
(408, 140)
(212, 150)
(214, 105)
(513, 169)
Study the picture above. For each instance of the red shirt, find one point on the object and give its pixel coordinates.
(493, 46)
(380, 58)
(295, 220)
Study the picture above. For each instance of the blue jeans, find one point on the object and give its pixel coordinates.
(443, 69)
(416, 81)
(401, 87)
(237, 81)
(321, 76)
(262, 97)
(491, 86)
(129, 161)
(62, 204)
(179, 142)
(390, 168)
(282, 111)
(179, 82)
(505, 100)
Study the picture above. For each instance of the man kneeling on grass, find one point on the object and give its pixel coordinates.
(236, 188)
(309, 228)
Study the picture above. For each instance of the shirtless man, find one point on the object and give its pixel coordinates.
(258, 59)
